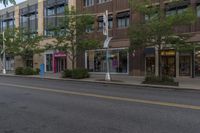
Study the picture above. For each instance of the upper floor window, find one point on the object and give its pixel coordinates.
(123, 19)
(60, 9)
(4, 24)
(50, 11)
(103, 1)
(89, 28)
(100, 22)
(176, 10)
(151, 17)
(88, 3)
(11, 23)
(32, 17)
(171, 12)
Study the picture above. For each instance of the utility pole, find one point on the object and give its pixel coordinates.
(4, 54)
(106, 44)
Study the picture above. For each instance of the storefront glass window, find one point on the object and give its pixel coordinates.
(184, 66)
(118, 62)
(49, 58)
(197, 63)
(150, 65)
(168, 66)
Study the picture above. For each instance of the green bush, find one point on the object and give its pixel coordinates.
(26, 71)
(76, 74)
(37, 71)
(19, 71)
(164, 80)
(80, 73)
(67, 73)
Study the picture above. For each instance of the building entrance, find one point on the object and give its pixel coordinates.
(150, 65)
(185, 65)
(168, 66)
(60, 62)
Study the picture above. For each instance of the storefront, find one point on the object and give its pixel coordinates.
(168, 62)
(149, 61)
(48, 61)
(185, 64)
(118, 61)
(9, 63)
(60, 62)
(197, 62)
(172, 63)
(55, 61)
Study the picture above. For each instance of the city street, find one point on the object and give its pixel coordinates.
(31, 105)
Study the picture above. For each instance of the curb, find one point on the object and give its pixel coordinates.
(104, 82)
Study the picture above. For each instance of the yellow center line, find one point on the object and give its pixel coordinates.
(151, 102)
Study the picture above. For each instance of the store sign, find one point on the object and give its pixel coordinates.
(60, 54)
(168, 53)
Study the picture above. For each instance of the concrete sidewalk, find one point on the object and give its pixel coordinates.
(184, 82)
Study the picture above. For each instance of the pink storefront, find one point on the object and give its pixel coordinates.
(59, 62)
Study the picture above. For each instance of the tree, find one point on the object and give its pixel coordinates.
(71, 35)
(18, 44)
(5, 2)
(156, 29)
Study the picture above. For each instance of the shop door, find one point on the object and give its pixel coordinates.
(150, 65)
(185, 65)
(60, 64)
(169, 66)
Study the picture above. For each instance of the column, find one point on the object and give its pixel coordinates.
(69, 57)
(39, 58)
(40, 17)
(17, 59)
(156, 62)
(72, 3)
(17, 18)
(177, 64)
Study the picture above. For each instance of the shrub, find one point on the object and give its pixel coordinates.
(67, 73)
(164, 80)
(75, 74)
(28, 71)
(37, 71)
(80, 74)
(19, 71)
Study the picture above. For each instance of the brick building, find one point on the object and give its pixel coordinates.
(144, 61)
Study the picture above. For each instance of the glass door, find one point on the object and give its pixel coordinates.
(150, 65)
(169, 66)
(185, 65)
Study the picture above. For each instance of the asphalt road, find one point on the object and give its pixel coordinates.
(29, 105)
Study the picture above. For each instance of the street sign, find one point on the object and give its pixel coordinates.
(106, 42)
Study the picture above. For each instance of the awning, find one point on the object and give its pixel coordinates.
(100, 18)
(149, 51)
(123, 14)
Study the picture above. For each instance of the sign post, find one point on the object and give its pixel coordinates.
(106, 44)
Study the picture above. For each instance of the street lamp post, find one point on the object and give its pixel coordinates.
(4, 55)
(106, 44)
